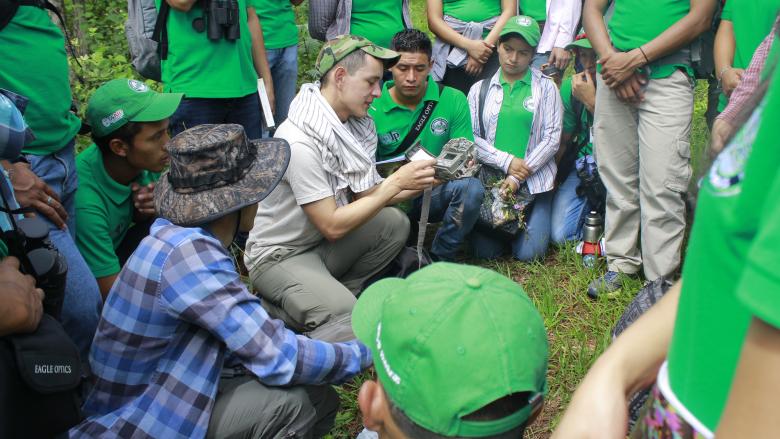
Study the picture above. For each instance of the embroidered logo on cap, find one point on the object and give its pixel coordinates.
(137, 85)
(113, 118)
(523, 21)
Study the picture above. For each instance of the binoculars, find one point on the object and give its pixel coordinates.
(40, 259)
(221, 19)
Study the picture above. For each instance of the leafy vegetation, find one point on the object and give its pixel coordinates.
(578, 328)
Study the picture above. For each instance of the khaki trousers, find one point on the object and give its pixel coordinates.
(314, 292)
(247, 408)
(643, 155)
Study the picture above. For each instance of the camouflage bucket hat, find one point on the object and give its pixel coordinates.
(215, 170)
(335, 50)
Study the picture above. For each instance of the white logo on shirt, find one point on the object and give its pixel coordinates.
(439, 126)
(529, 104)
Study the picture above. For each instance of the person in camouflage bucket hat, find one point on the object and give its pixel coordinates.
(337, 49)
(180, 332)
(215, 170)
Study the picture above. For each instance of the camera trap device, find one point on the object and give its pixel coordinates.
(458, 159)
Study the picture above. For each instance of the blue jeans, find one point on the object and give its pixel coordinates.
(82, 304)
(530, 244)
(568, 211)
(456, 205)
(284, 71)
(244, 111)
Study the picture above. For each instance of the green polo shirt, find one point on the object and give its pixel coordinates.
(636, 22)
(377, 20)
(34, 64)
(277, 19)
(450, 119)
(752, 21)
(516, 115)
(730, 274)
(104, 209)
(536, 9)
(201, 68)
(472, 10)
(578, 129)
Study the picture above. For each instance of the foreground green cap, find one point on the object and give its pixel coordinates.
(449, 340)
(120, 101)
(525, 26)
(335, 50)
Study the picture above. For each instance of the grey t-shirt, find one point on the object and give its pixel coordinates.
(280, 222)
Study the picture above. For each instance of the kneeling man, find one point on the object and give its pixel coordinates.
(325, 229)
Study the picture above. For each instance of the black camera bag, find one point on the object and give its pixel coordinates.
(40, 374)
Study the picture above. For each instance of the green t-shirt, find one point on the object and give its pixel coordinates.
(515, 116)
(104, 209)
(536, 9)
(277, 19)
(578, 129)
(450, 119)
(34, 64)
(201, 68)
(472, 10)
(730, 268)
(635, 22)
(752, 21)
(377, 20)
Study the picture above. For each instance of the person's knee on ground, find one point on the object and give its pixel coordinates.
(245, 407)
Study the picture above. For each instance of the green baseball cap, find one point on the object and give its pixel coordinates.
(120, 101)
(580, 41)
(525, 26)
(451, 339)
(335, 50)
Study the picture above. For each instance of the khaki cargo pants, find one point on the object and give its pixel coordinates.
(643, 155)
(314, 292)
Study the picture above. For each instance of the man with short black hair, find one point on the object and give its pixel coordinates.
(114, 202)
(459, 351)
(326, 229)
(442, 113)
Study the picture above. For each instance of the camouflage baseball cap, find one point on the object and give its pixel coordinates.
(335, 50)
(216, 170)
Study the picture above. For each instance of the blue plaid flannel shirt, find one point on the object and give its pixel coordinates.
(176, 310)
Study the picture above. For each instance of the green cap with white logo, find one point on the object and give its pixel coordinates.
(449, 340)
(337, 49)
(120, 101)
(525, 27)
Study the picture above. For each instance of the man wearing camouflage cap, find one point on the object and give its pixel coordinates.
(182, 348)
(325, 229)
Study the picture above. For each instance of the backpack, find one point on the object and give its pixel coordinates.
(147, 36)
